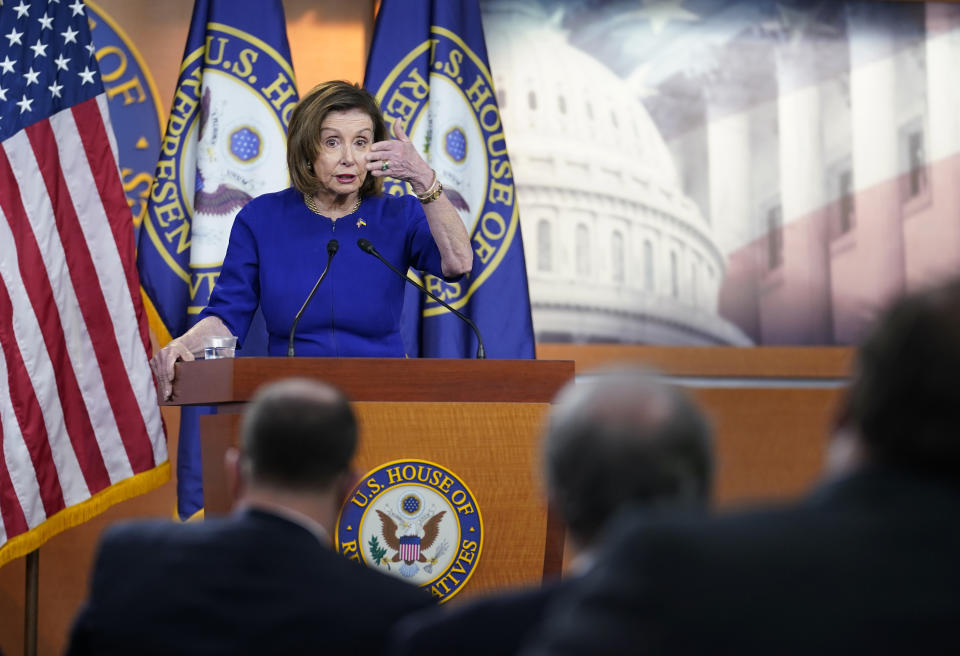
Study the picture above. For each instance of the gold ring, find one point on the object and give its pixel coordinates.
(385, 165)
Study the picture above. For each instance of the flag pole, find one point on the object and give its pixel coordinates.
(31, 596)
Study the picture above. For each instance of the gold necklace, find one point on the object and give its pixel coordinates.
(311, 204)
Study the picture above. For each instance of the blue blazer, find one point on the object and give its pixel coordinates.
(277, 251)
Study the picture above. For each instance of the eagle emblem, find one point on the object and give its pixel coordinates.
(415, 520)
(410, 546)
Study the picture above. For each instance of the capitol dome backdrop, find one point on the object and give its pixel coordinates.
(703, 172)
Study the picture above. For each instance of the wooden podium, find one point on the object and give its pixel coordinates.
(479, 419)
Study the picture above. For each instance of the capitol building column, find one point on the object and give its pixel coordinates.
(871, 269)
(933, 247)
(795, 297)
(730, 163)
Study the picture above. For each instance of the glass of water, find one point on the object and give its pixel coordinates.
(215, 348)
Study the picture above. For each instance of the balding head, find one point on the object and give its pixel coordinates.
(298, 435)
(620, 438)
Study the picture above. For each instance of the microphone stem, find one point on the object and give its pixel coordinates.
(481, 352)
(296, 319)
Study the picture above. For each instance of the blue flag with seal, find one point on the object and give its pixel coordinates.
(225, 143)
(428, 68)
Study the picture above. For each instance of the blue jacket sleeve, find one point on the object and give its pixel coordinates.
(424, 254)
(236, 295)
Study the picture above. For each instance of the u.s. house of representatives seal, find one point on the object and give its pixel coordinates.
(443, 93)
(415, 520)
(224, 145)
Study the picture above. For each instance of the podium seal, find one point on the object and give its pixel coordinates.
(415, 520)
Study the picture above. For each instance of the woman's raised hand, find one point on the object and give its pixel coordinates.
(398, 158)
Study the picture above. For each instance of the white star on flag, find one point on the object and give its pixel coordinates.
(61, 62)
(3, 94)
(14, 37)
(24, 103)
(46, 22)
(86, 75)
(22, 9)
(77, 8)
(31, 76)
(70, 36)
(55, 89)
(39, 49)
(7, 65)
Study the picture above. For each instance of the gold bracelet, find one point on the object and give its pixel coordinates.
(433, 191)
(431, 197)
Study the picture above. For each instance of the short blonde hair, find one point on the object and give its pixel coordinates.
(303, 133)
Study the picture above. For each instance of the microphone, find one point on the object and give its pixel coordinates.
(332, 247)
(367, 247)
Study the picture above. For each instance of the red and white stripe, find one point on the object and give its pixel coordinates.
(409, 550)
(78, 409)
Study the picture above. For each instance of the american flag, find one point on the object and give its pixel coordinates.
(79, 421)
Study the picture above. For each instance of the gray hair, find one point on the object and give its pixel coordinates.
(622, 437)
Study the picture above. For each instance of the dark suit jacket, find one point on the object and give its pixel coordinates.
(867, 565)
(493, 625)
(252, 583)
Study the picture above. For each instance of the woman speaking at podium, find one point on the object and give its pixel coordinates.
(337, 152)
